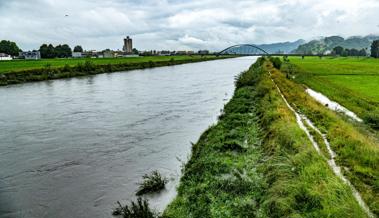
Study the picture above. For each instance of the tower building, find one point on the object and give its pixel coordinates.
(128, 45)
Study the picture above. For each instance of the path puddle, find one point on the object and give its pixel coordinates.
(332, 104)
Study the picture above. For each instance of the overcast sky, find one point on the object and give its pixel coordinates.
(181, 24)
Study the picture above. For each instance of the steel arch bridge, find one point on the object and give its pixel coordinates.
(243, 49)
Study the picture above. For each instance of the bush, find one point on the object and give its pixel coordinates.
(277, 63)
(140, 209)
(151, 183)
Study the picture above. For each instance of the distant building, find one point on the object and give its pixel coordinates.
(203, 52)
(164, 53)
(30, 55)
(181, 52)
(108, 54)
(128, 45)
(5, 57)
(77, 54)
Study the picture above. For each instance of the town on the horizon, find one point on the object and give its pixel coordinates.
(64, 51)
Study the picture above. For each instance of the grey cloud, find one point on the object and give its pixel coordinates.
(178, 24)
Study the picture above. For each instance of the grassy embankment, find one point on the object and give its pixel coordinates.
(19, 71)
(257, 162)
(352, 82)
(357, 149)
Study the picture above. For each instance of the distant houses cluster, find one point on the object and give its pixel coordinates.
(47, 51)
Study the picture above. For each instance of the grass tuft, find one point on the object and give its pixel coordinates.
(139, 209)
(151, 183)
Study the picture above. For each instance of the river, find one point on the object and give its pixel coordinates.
(73, 147)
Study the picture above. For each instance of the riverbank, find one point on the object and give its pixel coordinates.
(257, 162)
(30, 71)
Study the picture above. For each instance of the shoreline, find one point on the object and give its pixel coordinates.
(89, 68)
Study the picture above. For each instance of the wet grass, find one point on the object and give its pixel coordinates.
(152, 182)
(352, 82)
(256, 162)
(356, 148)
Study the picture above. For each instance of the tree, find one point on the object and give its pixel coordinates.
(47, 51)
(43, 50)
(345, 53)
(375, 49)
(9, 48)
(353, 52)
(135, 51)
(363, 52)
(60, 51)
(338, 50)
(78, 48)
(63, 51)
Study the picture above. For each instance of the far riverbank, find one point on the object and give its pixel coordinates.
(31, 71)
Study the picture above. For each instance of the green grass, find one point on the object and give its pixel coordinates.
(256, 162)
(357, 149)
(352, 82)
(22, 65)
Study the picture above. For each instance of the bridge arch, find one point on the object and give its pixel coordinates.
(243, 49)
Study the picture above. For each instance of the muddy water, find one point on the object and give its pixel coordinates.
(72, 148)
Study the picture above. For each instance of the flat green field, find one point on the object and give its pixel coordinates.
(19, 65)
(353, 82)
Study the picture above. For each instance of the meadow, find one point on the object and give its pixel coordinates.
(23, 65)
(353, 82)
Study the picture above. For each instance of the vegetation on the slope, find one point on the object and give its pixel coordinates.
(152, 182)
(12, 72)
(352, 82)
(256, 162)
(139, 209)
(357, 151)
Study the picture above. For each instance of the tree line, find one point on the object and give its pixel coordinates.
(59, 51)
(47, 51)
(344, 52)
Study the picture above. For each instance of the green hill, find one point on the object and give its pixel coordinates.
(325, 45)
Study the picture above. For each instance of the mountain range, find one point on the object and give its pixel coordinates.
(326, 44)
(320, 46)
(281, 47)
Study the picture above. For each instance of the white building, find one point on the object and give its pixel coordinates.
(77, 54)
(30, 55)
(5, 57)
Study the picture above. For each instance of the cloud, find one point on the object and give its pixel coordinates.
(178, 24)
